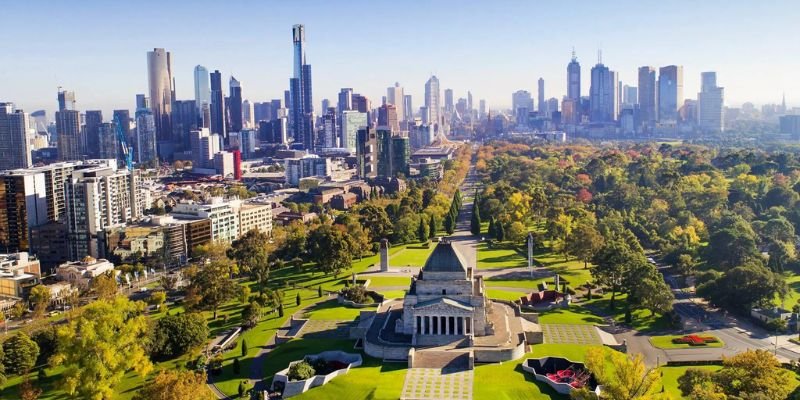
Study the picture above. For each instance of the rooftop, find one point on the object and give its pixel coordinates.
(445, 258)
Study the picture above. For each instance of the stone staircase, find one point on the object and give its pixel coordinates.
(445, 360)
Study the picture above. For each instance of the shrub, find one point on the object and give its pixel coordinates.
(300, 371)
(357, 294)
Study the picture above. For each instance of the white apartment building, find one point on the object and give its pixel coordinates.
(254, 216)
(224, 220)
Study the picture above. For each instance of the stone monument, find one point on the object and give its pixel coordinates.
(384, 252)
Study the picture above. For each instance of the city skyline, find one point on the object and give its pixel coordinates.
(533, 43)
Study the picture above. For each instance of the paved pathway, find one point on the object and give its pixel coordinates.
(432, 384)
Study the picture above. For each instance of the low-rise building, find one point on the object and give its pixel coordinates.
(18, 274)
(81, 273)
(255, 216)
(344, 201)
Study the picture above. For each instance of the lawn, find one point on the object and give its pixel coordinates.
(392, 294)
(372, 380)
(499, 257)
(793, 297)
(507, 381)
(522, 284)
(381, 281)
(413, 255)
(572, 315)
(331, 309)
(665, 342)
(504, 294)
(670, 375)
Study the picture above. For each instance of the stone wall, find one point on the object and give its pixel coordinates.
(294, 388)
(494, 355)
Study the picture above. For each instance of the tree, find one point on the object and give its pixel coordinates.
(742, 288)
(654, 294)
(250, 251)
(752, 374)
(319, 291)
(516, 232)
(329, 248)
(499, 231)
(686, 264)
(174, 335)
(433, 226)
(692, 378)
(20, 354)
(244, 294)
(491, 230)
(213, 285)
(169, 282)
(731, 247)
(585, 242)
(251, 314)
(297, 299)
(39, 298)
(176, 385)
(244, 347)
(242, 389)
(301, 370)
(99, 346)
(560, 231)
(375, 220)
(423, 229)
(105, 286)
(627, 379)
(475, 221)
(157, 298)
(18, 310)
(236, 366)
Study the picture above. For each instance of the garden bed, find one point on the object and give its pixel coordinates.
(685, 341)
(324, 367)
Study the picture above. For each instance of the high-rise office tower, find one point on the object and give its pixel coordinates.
(217, 105)
(542, 107)
(184, 119)
(432, 102)
(352, 122)
(202, 88)
(235, 104)
(603, 94)
(448, 101)
(395, 96)
(108, 144)
(91, 132)
(326, 104)
(142, 101)
(123, 117)
(145, 148)
(248, 114)
(521, 104)
(387, 117)
(469, 101)
(367, 153)
(574, 79)
(159, 69)
(710, 103)
(408, 108)
(481, 108)
(630, 95)
(15, 149)
(301, 99)
(647, 96)
(345, 100)
(670, 92)
(330, 128)
(68, 129)
(24, 205)
(66, 100)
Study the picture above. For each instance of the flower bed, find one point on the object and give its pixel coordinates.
(695, 340)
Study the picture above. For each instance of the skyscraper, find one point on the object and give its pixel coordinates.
(345, 100)
(603, 94)
(235, 104)
(159, 69)
(710, 103)
(66, 100)
(647, 96)
(395, 96)
(300, 93)
(217, 105)
(248, 112)
(68, 129)
(107, 140)
(542, 107)
(469, 101)
(574, 79)
(387, 118)
(432, 102)
(145, 148)
(142, 101)
(15, 150)
(123, 117)
(630, 95)
(91, 132)
(670, 92)
(352, 122)
(448, 101)
(521, 103)
(202, 89)
(408, 108)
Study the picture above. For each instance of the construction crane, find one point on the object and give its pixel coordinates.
(123, 142)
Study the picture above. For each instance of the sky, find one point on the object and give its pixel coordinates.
(97, 48)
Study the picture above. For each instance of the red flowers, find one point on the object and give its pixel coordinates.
(695, 340)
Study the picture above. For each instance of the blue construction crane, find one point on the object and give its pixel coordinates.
(126, 151)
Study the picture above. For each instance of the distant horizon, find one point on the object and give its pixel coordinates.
(98, 50)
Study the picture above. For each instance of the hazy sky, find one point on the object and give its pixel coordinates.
(493, 48)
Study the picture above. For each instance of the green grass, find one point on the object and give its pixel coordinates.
(504, 294)
(411, 255)
(572, 315)
(378, 281)
(793, 297)
(522, 284)
(392, 294)
(499, 257)
(372, 380)
(665, 342)
(670, 375)
(331, 309)
(507, 381)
